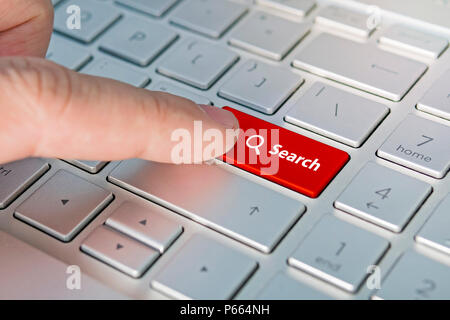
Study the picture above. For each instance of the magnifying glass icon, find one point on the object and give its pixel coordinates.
(256, 147)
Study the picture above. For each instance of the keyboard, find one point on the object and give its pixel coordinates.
(366, 87)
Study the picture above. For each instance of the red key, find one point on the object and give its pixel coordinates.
(285, 157)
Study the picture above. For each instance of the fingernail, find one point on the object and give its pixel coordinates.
(224, 117)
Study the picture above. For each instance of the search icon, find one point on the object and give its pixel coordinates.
(258, 145)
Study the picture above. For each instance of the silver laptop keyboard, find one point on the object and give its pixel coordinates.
(318, 68)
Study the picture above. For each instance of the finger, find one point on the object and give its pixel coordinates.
(25, 27)
(49, 111)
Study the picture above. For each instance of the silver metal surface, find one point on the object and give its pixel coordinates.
(296, 7)
(179, 91)
(155, 7)
(67, 53)
(337, 114)
(88, 165)
(383, 196)
(437, 99)
(119, 251)
(204, 269)
(147, 226)
(260, 86)
(419, 144)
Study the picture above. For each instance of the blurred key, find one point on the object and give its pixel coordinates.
(268, 35)
(435, 232)
(437, 99)
(370, 69)
(260, 86)
(337, 114)
(89, 166)
(209, 17)
(204, 269)
(154, 7)
(119, 251)
(178, 91)
(16, 177)
(197, 63)
(55, 2)
(416, 277)
(339, 253)
(383, 196)
(115, 70)
(67, 54)
(419, 144)
(96, 17)
(296, 7)
(137, 40)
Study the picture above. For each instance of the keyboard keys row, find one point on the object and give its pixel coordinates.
(437, 99)
(370, 69)
(337, 114)
(233, 205)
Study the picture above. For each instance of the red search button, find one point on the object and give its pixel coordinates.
(285, 157)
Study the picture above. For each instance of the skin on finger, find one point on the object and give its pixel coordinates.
(25, 27)
(50, 111)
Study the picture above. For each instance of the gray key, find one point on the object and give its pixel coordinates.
(296, 7)
(55, 2)
(170, 88)
(370, 69)
(16, 177)
(107, 68)
(96, 17)
(383, 196)
(67, 53)
(435, 233)
(204, 269)
(89, 166)
(339, 253)
(268, 35)
(137, 40)
(215, 197)
(282, 287)
(119, 251)
(199, 64)
(346, 20)
(209, 17)
(419, 144)
(154, 7)
(260, 86)
(437, 99)
(416, 277)
(63, 205)
(404, 38)
(145, 225)
(337, 114)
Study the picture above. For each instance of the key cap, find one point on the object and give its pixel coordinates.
(373, 70)
(208, 17)
(67, 54)
(296, 7)
(268, 35)
(383, 196)
(416, 277)
(28, 273)
(435, 232)
(284, 157)
(55, 2)
(437, 99)
(419, 144)
(145, 225)
(260, 86)
(89, 166)
(154, 7)
(63, 205)
(137, 40)
(119, 251)
(339, 253)
(114, 70)
(197, 63)
(16, 177)
(345, 20)
(282, 287)
(404, 38)
(96, 17)
(256, 216)
(208, 264)
(337, 114)
(170, 88)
